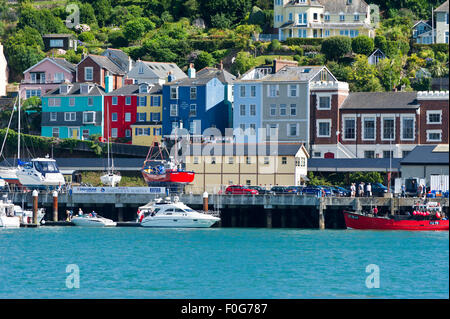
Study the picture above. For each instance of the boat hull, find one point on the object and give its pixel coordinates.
(359, 221)
(169, 177)
(111, 180)
(9, 222)
(93, 222)
(177, 222)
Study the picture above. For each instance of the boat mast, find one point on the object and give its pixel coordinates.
(107, 126)
(18, 132)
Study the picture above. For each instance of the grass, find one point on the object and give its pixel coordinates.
(262, 58)
(93, 178)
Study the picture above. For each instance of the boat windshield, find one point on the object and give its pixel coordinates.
(190, 210)
(46, 167)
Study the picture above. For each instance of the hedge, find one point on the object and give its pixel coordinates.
(303, 41)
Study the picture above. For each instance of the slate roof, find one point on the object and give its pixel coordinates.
(58, 35)
(294, 73)
(442, 8)
(223, 75)
(334, 6)
(425, 154)
(134, 89)
(106, 63)
(381, 100)
(353, 164)
(65, 64)
(243, 149)
(75, 90)
(161, 69)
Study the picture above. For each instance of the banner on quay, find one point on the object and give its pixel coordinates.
(118, 190)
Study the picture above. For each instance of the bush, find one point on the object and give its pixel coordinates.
(275, 45)
(362, 44)
(117, 39)
(380, 43)
(336, 47)
(86, 37)
(303, 41)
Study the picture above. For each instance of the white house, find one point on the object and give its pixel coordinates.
(3, 72)
(154, 72)
(376, 57)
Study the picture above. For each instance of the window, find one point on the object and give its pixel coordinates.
(242, 90)
(56, 43)
(128, 100)
(59, 78)
(173, 110)
(242, 127)
(292, 130)
(155, 100)
(369, 154)
(252, 109)
(155, 117)
(55, 131)
(349, 128)
(114, 117)
(266, 160)
(114, 132)
(282, 109)
(193, 127)
(272, 130)
(317, 154)
(248, 160)
(341, 17)
(114, 100)
(252, 129)
(356, 16)
(293, 110)
(53, 116)
(274, 90)
(293, 90)
(142, 101)
(127, 133)
(143, 88)
(388, 128)
(273, 109)
(37, 77)
(290, 16)
(157, 131)
(193, 93)
(54, 101)
(302, 162)
(302, 18)
(407, 128)
(141, 117)
(230, 160)
(31, 93)
(369, 128)
(252, 91)
(195, 160)
(127, 117)
(141, 69)
(70, 116)
(84, 89)
(327, 17)
(434, 135)
(315, 16)
(388, 154)
(88, 73)
(85, 133)
(324, 103)
(283, 160)
(323, 128)
(242, 109)
(434, 117)
(302, 33)
(326, 33)
(72, 101)
(193, 110)
(88, 117)
(174, 93)
(90, 101)
(405, 153)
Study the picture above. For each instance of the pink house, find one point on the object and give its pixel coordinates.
(46, 75)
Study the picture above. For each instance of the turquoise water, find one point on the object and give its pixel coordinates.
(221, 263)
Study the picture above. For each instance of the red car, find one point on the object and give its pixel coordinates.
(240, 190)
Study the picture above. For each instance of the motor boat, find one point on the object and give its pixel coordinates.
(111, 179)
(7, 217)
(27, 215)
(9, 175)
(168, 213)
(40, 173)
(87, 220)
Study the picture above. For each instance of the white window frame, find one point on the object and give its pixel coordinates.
(434, 112)
(329, 121)
(53, 116)
(252, 109)
(127, 98)
(71, 101)
(84, 117)
(70, 116)
(297, 127)
(242, 91)
(363, 131)
(318, 96)
(127, 117)
(91, 69)
(402, 117)
(276, 90)
(273, 107)
(292, 87)
(242, 107)
(114, 117)
(55, 130)
(114, 100)
(173, 110)
(253, 90)
(434, 132)
(269, 129)
(174, 92)
(382, 127)
(349, 117)
(114, 132)
(54, 102)
(193, 92)
(292, 108)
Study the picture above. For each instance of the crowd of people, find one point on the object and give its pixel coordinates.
(361, 190)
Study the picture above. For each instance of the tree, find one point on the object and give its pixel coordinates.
(102, 9)
(362, 44)
(364, 76)
(203, 60)
(336, 47)
(232, 10)
(243, 62)
(42, 20)
(390, 72)
(135, 29)
(117, 39)
(380, 43)
(220, 21)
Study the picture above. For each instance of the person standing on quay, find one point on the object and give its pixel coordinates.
(369, 190)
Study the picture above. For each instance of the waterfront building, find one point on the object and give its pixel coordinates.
(46, 75)
(153, 72)
(195, 103)
(245, 164)
(380, 124)
(73, 110)
(59, 41)
(133, 113)
(442, 27)
(321, 18)
(100, 70)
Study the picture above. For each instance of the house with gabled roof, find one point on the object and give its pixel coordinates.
(442, 23)
(422, 32)
(45, 76)
(154, 72)
(101, 70)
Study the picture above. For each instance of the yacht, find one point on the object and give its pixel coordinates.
(168, 213)
(40, 173)
(87, 220)
(7, 217)
(27, 215)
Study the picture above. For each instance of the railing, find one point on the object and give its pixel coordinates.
(265, 37)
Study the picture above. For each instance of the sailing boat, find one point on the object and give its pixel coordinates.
(8, 174)
(111, 178)
(39, 172)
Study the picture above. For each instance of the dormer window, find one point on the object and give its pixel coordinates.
(84, 88)
(143, 88)
(326, 17)
(341, 17)
(356, 16)
(141, 69)
(64, 89)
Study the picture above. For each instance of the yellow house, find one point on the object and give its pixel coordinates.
(322, 18)
(219, 165)
(148, 126)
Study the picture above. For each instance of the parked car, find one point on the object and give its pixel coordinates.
(340, 191)
(279, 190)
(327, 189)
(378, 190)
(260, 189)
(240, 190)
(294, 189)
(312, 190)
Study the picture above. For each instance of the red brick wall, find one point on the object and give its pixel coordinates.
(97, 72)
(429, 106)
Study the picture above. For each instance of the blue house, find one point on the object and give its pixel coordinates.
(195, 104)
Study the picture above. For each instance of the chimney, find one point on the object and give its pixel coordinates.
(170, 77)
(191, 71)
(279, 64)
(221, 65)
(130, 64)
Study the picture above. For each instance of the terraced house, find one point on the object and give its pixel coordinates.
(321, 18)
(73, 111)
(133, 113)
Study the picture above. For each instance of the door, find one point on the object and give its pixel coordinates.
(74, 132)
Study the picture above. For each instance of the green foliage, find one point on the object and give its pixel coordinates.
(117, 39)
(203, 60)
(243, 62)
(42, 20)
(275, 45)
(86, 36)
(362, 44)
(303, 41)
(230, 11)
(366, 177)
(422, 84)
(363, 77)
(381, 43)
(134, 29)
(390, 72)
(336, 47)
(221, 21)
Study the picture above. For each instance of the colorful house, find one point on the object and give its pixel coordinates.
(100, 70)
(133, 113)
(154, 72)
(73, 111)
(45, 76)
(195, 103)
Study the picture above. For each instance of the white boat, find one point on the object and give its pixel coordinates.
(9, 175)
(40, 173)
(87, 221)
(7, 217)
(110, 179)
(167, 213)
(27, 215)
